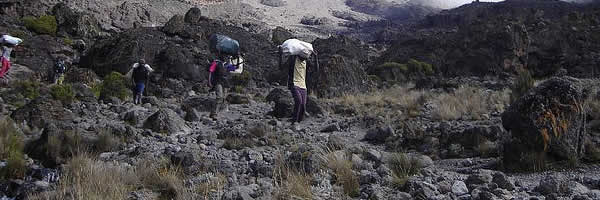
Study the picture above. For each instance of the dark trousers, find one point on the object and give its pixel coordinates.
(299, 95)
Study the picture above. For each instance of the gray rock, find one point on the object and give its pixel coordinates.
(373, 155)
(368, 177)
(192, 115)
(481, 177)
(575, 188)
(238, 99)
(401, 196)
(549, 184)
(151, 100)
(166, 121)
(379, 135)
(331, 128)
(459, 188)
(423, 160)
(193, 15)
(502, 181)
(184, 159)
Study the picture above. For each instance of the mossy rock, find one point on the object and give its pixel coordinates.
(45, 24)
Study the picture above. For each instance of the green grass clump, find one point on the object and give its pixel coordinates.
(96, 88)
(403, 167)
(115, 85)
(62, 93)
(522, 85)
(395, 65)
(45, 24)
(11, 150)
(29, 89)
(68, 41)
(416, 66)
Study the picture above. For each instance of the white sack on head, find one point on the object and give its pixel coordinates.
(297, 47)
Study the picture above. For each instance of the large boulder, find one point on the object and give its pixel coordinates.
(75, 23)
(284, 103)
(550, 118)
(166, 121)
(341, 70)
(42, 111)
(178, 50)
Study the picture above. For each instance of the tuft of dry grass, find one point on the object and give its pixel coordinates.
(386, 102)
(403, 167)
(107, 142)
(212, 186)
(88, 179)
(291, 183)
(11, 150)
(159, 176)
(467, 101)
(342, 169)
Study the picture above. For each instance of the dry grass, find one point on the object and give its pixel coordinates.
(466, 101)
(403, 167)
(11, 150)
(291, 183)
(159, 176)
(88, 179)
(342, 169)
(386, 102)
(212, 186)
(107, 142)
(470, 102)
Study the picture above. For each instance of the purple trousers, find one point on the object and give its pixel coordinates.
(299, 95)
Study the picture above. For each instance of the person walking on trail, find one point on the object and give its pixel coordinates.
(218, 81)
(8, 43)
(59, 71)
(140, 73)
(229, 60)
(297, 83)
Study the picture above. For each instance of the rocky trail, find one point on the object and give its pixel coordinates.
(485, 101)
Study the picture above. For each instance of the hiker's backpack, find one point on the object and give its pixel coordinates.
(223, 45)
(60, 67)
(140, 73)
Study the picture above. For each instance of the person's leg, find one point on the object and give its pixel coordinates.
(61, 78)
(218, 100)
(302, 104)
(4, 68)
(297, 102)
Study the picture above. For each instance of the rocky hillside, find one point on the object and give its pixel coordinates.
(493, 38)
(466, 128)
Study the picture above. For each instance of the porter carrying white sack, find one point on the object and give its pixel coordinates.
(297, 47)
(11, 40)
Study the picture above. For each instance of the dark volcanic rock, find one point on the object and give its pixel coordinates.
(178, 50)
(166, 121)
(280, 35)
(550, 118)
(75, 23)
(341, 67)
(493, 38)
(193, 16)
(284, 103)
(42, 111)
